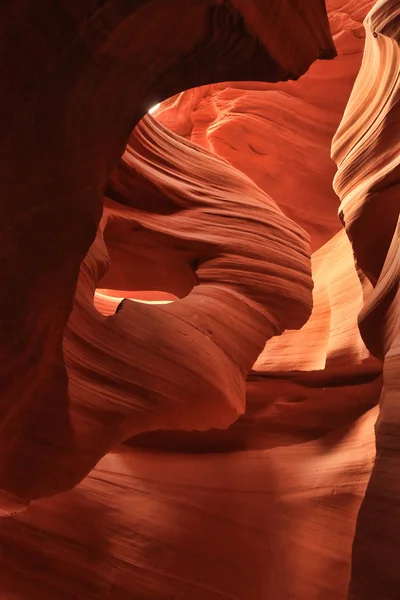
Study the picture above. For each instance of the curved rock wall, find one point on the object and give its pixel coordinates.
(215, 439)
(280, 135)
(367, 151)
(78, 77)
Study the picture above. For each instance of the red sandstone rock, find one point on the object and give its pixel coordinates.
(367, 151)
(280, 135)
(197, 454)
(181, 362)
(271, 523)
(78, 77)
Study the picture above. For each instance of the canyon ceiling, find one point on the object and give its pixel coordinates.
(200, 307)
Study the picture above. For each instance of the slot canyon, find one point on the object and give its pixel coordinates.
(200, 315)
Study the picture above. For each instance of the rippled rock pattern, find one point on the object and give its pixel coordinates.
(200, 313)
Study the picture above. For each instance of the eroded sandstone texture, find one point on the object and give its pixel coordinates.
(200, 312)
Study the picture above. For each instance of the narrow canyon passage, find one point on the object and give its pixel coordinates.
(200, 316)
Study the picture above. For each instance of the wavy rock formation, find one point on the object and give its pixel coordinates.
(192, 350)
(367, 151)
(178, 366)
(280, 135)
(229, 525)
(76, 85)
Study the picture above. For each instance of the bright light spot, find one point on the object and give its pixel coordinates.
(107, 304)
(153, 108)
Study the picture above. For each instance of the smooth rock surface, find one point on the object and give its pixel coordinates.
(200, 318)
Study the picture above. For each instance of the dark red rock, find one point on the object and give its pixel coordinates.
(192, 338)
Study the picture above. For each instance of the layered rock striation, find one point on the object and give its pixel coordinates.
(200, 327)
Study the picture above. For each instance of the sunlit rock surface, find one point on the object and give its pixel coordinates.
(200, 308)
